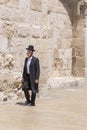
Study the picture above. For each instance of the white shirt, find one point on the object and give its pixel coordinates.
(28, 64)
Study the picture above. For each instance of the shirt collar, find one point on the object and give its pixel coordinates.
(29, 58)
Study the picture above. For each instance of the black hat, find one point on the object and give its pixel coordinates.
(30, 47)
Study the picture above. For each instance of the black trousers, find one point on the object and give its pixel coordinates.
(28, 98)
(27, 93)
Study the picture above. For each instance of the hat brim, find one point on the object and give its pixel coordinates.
(29, 49)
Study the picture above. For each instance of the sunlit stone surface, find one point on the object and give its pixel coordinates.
(61, 110)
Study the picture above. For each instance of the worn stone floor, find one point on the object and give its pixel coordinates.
(65, 110)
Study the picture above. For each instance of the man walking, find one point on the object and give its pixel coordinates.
(31, 72)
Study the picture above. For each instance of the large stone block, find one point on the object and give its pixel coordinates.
(78, 46)
(39, 18)
(12, 14)
(18, 45)
(43, 46)
(5, 13)
(62, 21)
(1, 62)
(77, 51)
(1, 27)
(68, 73)
(86, 72)
(86, 41)
(67, 33)
(67, 64)
(44, 6)
(19, 58)
(32, 18)
(13, 3)
(56, 7)
(52, 18)
(24, 4)
(78, 41)
(58, 64)
(36, 5)
(36, 32)
(47, 33)
(68, 53)
(66, 43)
(17, 15)
(3, 1)
(23, 30)
(78, 65)
(44, 63)
(65, 53)
(66, 82)
(9, 29)
(3, 44)
(9, 62)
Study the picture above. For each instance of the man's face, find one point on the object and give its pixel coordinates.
(29, 53)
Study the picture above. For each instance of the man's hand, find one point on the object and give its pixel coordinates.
(36, 81)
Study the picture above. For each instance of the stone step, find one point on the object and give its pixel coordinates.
(54, 84)
(66, 82)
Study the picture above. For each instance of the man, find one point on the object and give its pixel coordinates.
(31, 74)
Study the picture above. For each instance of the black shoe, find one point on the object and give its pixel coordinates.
(32, 104)
(27, 102)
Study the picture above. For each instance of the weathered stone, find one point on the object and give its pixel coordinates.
(18, 44)
(78, 66)
(13, 3)
(47, 33)
(5, 13)
(65, 53)
(43, 46)
(1, 61)
(57, 8)
(38, 19)
(36, 5)
(67, 64)
(36, 32)
(3, 44)
(9, 29)
(23, 30)
(3, 1)
(67, 82)
(1, 26)
(20, 94)
(4, 98)
(24, 4)
(9, 61)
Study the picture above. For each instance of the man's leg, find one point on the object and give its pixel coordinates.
(33, 97)
(27, 96)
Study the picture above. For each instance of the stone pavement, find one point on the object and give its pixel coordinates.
(65, 110)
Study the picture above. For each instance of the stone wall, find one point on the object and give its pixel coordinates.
(86, 47)
(78, 41)
(46, 24)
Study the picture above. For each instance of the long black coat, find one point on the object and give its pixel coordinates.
(34, 72)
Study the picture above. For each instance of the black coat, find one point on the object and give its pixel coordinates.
(34, 73)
